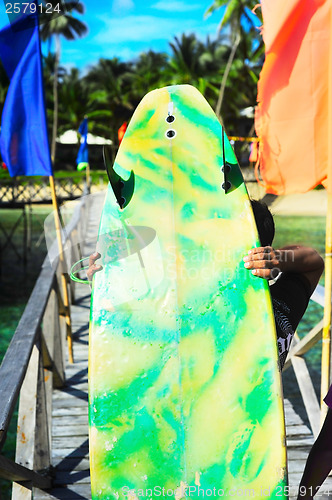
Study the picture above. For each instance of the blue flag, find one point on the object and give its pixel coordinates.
(24, 141)
(82, 159)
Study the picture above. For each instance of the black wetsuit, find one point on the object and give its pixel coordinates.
(290, 296)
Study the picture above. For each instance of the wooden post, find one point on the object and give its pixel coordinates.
(64, 279)
(52, 345)
(326, 347)
(26, 424)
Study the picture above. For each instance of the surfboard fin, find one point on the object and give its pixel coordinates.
(226, 166)
(123, 190)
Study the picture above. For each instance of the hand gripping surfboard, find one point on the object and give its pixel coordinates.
(184, 390)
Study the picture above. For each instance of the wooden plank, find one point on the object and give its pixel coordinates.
(74, 477)
(72, 492)
(80, 452)
(53, 342)
(304, 441)
(15, 472)
(292, 419)
(15, 362)
(72, 463)
(68, 444)
(73, 420)
(70, 430)
(319, 295)
(305, 344)
(308, 393)
(297, 453)
(42, 450)
(77, 384)
(72, 391)
(298, 430)
(26, 424)
(22, 491)
(70, 400)
(72, 412)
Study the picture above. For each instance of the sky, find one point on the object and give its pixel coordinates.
(125, 28)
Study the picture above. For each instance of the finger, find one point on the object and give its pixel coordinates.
(262, 273)
(260, 260)
(93, 258)
(260, 250)
(93, 270)
(261, 264)
(266, 273)
(264, 254)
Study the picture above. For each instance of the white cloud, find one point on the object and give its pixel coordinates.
(175, 6)
(122, 6)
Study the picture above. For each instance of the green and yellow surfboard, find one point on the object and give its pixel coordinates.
(185, 394)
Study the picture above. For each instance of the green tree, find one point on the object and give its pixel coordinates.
(196, 63)
(72, 93)
(148, 73)
(185, 64)
(55, 25)
(239, 19)
(110, 97)
(49, 75)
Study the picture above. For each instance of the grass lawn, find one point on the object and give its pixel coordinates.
(59, 174)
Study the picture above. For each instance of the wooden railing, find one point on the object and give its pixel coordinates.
(295, 358)
(13, 192)
(33, 364)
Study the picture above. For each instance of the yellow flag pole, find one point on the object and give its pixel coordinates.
(64, 282)
(88, 179)
(326, 346)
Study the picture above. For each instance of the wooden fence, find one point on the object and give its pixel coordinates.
(13, 192)
(296, 359)
(33, 364)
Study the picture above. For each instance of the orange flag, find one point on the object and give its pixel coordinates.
(122, 131)
(292, 113)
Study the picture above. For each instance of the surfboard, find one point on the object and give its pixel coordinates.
(185, 395)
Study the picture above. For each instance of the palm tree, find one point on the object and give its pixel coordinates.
(241, 88)
(148, 73)
(72, 93)
(65, 24)
(198, 63)
(238, 18)
(109, 84)
(185, 64)
(48, 73)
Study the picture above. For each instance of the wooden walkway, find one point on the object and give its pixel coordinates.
(70, 410)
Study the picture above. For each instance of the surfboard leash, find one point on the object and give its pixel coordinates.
(74, 272)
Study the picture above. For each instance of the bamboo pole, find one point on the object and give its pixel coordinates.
(88, 178)
(326, 347)
(64, 281)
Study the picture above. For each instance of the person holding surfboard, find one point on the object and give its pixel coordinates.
(294, 272)
(319, 461)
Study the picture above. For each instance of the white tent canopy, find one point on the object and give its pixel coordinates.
(71, 137)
